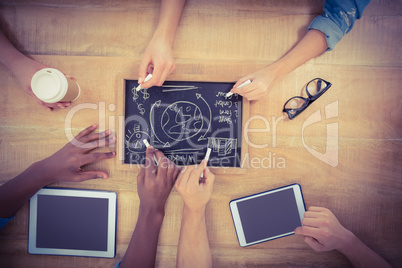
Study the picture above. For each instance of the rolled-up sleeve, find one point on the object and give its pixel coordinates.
(338, 19)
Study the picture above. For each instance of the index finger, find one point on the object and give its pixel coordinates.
(245, 89)
(86, 131)
(149, 162)
(316, 209)
(196, 174)
(209, 177)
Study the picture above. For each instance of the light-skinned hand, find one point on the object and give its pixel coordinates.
(195, 191)
(26, 69)
(322, 230)
(154, 186)
(261, 82)
(157, 60)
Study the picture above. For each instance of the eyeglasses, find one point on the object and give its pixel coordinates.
(315, 88)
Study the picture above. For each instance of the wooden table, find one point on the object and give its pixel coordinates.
(98, 41)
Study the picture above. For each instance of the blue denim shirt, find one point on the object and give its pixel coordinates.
(338, 19)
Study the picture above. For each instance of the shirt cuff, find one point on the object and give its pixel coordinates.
(3, 222)
(333, 34)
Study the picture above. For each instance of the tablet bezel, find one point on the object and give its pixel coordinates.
(237, 220)
(112, 214)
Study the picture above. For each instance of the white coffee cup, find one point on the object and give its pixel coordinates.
(51, 86)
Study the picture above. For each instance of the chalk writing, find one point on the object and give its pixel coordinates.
(182, 119)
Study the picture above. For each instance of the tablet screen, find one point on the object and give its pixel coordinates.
(73, 222)
(268, 215)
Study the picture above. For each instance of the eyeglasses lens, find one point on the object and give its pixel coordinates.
(294, 104)
(316, 86)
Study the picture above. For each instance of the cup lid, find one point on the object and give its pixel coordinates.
(47, 84)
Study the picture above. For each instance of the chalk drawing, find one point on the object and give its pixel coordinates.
(182, 120)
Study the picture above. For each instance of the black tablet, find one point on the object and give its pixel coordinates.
(73, 222)
(268, 215)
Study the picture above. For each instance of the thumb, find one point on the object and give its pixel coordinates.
(313, 243)
(209, 177)
(299, 230)
(89, 175)
(238, 83)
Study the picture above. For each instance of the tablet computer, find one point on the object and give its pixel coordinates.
(73, 222)
(268, 215)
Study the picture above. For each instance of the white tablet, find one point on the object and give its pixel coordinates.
(73, 222)
(268, 215)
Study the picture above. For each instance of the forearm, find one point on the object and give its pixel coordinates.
(8, 53)
(17, 191)
(141, 251)
(360, 255)
(193, 250)
(312, 45)
(169, 19)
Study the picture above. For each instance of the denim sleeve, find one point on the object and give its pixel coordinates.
(338, 19)
(3, 222)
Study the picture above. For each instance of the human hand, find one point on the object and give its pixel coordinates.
(322, 230)
(195, 192)
(66, 164)
(157, 60)
(154, 186)
(25, 69)
(261, 82)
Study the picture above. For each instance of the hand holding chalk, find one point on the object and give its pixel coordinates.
(242, 85)
(206, 158)
(147, 144)
(195, 192)
(149, 76)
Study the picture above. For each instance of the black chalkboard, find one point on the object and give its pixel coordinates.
(182, 119)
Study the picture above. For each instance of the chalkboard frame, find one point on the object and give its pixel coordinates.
(121, 92)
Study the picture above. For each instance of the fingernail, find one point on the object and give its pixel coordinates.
(99, 176)
(139, 80)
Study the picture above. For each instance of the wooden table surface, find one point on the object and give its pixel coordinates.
(99, 41)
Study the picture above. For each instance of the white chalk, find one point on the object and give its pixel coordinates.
(242, 85)
(206, 158)
(147, 144)
(207, 154)
(149, 76)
